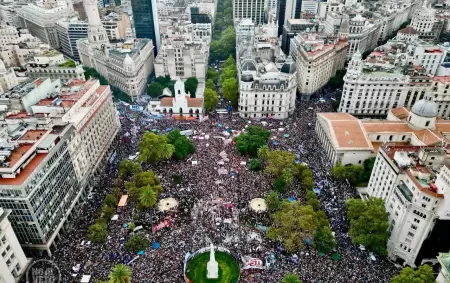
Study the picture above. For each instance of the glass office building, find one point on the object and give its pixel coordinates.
(145, 18)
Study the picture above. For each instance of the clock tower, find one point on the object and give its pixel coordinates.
(96, 32)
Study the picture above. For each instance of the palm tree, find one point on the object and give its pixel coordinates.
(120, 273)
(291, 278)
(147, 197)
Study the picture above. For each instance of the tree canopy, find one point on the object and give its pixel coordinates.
(128, 168)
(190, 85)
(225, 45)
(153, 148)
(137, 243)
(424, 274)
(145, 188)
(182, 145)
(368, 223)
(230, 90)
(211, 98)
(291, 278)
(120, 273)
(155, 90)
(91, 73)
(158, 85)
(324, 240)
(350, 172)
(294, 223)
(254, 138)
(212, 74)
(97, 233)
(210, 85)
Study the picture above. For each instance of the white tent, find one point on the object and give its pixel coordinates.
(85, 279)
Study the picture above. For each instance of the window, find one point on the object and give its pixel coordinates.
(427, 123)
(414, 227)
(411, 234)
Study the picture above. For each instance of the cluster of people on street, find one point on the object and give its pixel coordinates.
(213, 188)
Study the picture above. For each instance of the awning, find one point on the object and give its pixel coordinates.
(123, 201)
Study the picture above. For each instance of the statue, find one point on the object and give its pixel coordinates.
(212, 266)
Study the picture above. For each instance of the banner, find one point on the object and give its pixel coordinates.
(252, 263)
(163, 224)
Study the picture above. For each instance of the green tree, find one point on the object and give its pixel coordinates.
(131, 226)
(155, 89)
(352, 173)
(212, 74)
(190, 85)
(287, 176)
(147, 197)
(227, 73)
(210, 85)
(230, 90)
(97, 233)
(263, 152)
(229, 63)
(120, 273)
(424, 274)
(368, 167)
(211, 98)
(137, 243)
(110, 200)
(273, 201)
(311, 199)
(249, 143)
(279, 184)
(291, 278)
(107, 212)
(128, 168)
(293, 224)
(368, 223)
(279, 160)
(154, 148)
(255, 165)
(182, 145)
(324, 240)
(141, 180)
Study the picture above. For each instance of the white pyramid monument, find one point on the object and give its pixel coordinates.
(212, 267)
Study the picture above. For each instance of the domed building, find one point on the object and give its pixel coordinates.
(423, 115)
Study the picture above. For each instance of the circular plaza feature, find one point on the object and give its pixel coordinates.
(196, 268)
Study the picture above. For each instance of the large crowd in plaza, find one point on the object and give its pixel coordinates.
(200, 195)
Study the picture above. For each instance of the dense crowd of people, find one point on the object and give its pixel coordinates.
(213, 187)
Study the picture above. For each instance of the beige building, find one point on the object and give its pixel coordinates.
(116, 25)
(440, 93)
(13, 262)
(8, 78)
(316, 60)
(49, 63)
(347, 139)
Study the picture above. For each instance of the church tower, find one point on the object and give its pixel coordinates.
(355, 65)
(96, 32)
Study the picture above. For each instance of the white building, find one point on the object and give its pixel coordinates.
(13, 261)
(444, 274)
(40, 19)
(394, 75)
(56, 137)
(249, 9)
(49, 63)
(8, 78)
(362, 35)
(126, 66)
(440, 94)
(70, 30)
(310, 6)
(179, 57)
(116, 25)
(415, 197)
(181, 106)
(316, 61)
(351, 141)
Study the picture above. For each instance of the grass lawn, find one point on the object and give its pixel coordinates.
(228, 268)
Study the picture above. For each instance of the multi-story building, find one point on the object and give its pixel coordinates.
(294, 27)
(125, 65)
(49, 63)
(40, 19)
(317, 59)
(310, 6)
(116, 25)
(444, 273)
(415, 198)
(13, 261)
(145, 18)
(440, 93)
(330, 6)
(396, 74)
(362, 34)
(69, 31)
(55, 138)
(8, 78)
(349, 140)
(10, 35)
(253, 9)
(425, 22)
(8, 11)
(287, 9)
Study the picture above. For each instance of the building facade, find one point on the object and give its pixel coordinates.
(125, 65)
(294, 27)
(249, 9)
(13, 261)
(69, 31)
(145, 17)
(316, 61)
(54, 146)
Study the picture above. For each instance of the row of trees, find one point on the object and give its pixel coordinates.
(90, 73)
(98, 232)
(355, 174)
(224, 35)
(228, 82)
(156, 88)
(210, 96)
